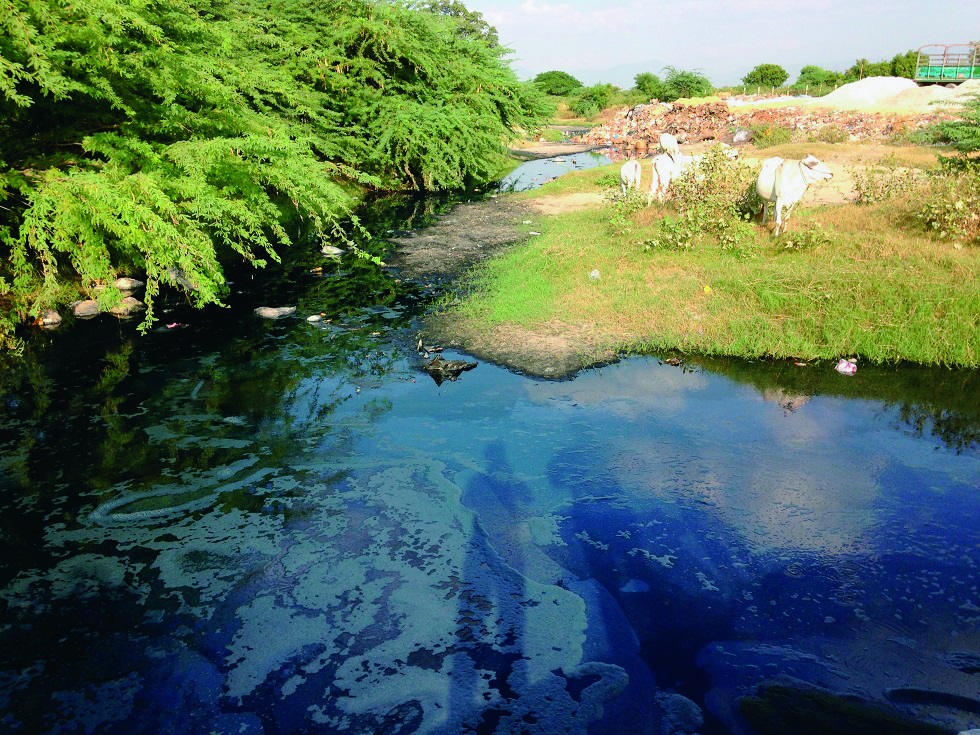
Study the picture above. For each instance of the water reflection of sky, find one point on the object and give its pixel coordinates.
(295, 531)
(532, 174)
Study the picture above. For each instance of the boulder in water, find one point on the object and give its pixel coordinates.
(85, 309)
(442, 370)
(275, 312)
(127, 307)
(128, 284)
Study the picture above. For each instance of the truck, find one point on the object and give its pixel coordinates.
(949, 64)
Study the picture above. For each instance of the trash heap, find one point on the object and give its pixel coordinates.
(643, 124)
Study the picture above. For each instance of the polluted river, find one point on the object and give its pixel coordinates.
(241, 525)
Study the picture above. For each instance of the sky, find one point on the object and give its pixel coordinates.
(613, 41)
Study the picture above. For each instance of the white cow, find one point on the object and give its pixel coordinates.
(664, 169)
(668, 145)
(630, 175)
(784, 183)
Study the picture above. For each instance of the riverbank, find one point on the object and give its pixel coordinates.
(846, 281)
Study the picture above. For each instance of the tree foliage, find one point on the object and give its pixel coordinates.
(766, 75)
(815, 76)
(682, 83)
(163, 138)
(556, 83)
(590, 101)
(649, 84)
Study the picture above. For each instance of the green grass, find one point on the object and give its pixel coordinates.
(877, 287)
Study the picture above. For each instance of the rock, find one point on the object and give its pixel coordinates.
(314, 318)
(128, 284)
(127, 307)
(179, 277)
(275, 312)
(50, 319)
(742, 136)
(595, 275)
(86, 309)
(441, 369)
(332, 252)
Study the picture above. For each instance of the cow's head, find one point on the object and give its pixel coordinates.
(815, 170)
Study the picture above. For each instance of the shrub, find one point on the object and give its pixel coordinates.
(766, 135)
(832, 134)
(879, 183)
(951, 208)
(680, 83)
(713, 201)
(590, 101)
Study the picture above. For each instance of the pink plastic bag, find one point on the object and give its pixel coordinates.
(846, 367)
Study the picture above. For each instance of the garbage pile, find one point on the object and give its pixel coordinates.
(643, 124)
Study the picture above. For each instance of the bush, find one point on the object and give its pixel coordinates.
(713, 200)
(951, 208)
(832, 134)
(680, 83)
(879, 183)
(590, 101)
(766, 135)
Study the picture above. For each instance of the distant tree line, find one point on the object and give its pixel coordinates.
(677, 83)
(773, 75)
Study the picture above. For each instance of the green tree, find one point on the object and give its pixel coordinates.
(649, 84)
(862, 68)
(816, 76)
(766, 75)
(680, 83)
(903, 65)
(590, 101)
(556, 83)
(165, 138)
(470, 23)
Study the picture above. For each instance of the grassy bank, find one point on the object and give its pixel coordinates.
(846, 280)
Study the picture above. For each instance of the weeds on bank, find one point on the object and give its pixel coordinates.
(884, 180)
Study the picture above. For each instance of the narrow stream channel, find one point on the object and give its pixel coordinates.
(234, 525)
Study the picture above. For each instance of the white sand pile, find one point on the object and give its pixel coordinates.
(866, 93)
(931, 97)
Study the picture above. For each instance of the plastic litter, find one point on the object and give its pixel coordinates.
(846, 367)
(595, 275)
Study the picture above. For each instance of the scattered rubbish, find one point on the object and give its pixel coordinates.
(673, 361)
(846, 367)
(176, 325)
(595, 275)
(643, 124)
(801, 364)
(526, 222)
(707, 289)
(534, 233)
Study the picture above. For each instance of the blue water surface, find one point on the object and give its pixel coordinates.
(243, 526)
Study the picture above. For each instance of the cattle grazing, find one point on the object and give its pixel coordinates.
(783, 184)
(629, 175)
(668, 145)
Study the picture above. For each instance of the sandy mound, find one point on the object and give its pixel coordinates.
(925, 97)
(868, 92)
